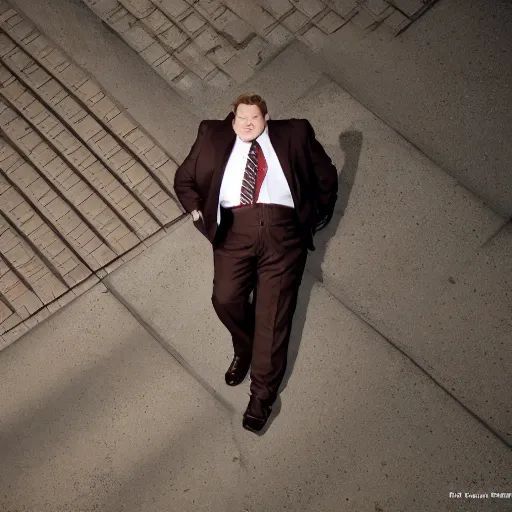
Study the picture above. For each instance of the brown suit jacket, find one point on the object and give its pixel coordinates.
(312, 177)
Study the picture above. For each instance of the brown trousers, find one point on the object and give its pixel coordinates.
(261, 251)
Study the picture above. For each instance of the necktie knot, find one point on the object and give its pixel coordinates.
(254, 147)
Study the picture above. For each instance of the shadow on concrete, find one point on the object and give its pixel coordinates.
(43, 424)
(351, 143)
(86, 414)
(172, 467)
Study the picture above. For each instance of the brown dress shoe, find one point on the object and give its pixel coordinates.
(237, 371)
(256, 414)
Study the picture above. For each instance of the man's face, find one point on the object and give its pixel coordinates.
(249, 122)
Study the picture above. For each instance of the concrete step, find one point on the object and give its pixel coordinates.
(101, 55)
(82, 183)
(85, 120)
(105, 231)
(20, 260)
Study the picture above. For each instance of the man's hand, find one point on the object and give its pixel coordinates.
(324, 214)
(197, 217)
(323, 220)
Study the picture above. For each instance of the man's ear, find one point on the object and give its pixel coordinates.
(267, 117)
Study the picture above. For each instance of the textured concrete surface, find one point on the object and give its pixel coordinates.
(97, 418)
(407, 232)
(81, 183)
(358, 424)
(416, 261)
(116, 67)
(445, 84)
(467, 332)
(201, 44)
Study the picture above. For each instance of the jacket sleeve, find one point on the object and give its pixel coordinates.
(185, 184)
(325, 174)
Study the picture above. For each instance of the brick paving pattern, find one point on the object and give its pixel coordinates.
(192, 43)
(82, 187)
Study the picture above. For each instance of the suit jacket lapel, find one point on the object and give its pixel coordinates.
(223, 142)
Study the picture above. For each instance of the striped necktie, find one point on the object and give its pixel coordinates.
(255, 171)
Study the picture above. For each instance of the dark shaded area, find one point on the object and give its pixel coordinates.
(350, 143)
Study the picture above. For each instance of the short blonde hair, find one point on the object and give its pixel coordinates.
(251, 99)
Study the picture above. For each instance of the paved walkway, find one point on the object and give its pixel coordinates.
(117, 402)
(398, 385)
(81, 183)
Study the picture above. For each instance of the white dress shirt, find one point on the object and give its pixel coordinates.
(274, 189)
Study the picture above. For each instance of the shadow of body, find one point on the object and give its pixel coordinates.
(351, 144)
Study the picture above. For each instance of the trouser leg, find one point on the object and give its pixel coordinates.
(234, 277)
(279, 277)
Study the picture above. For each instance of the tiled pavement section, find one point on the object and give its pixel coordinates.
(82, 186)
(198, 43)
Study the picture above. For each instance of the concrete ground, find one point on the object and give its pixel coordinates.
(398, 387)
(117, 402)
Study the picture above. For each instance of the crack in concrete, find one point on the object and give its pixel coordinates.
(495, 234)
